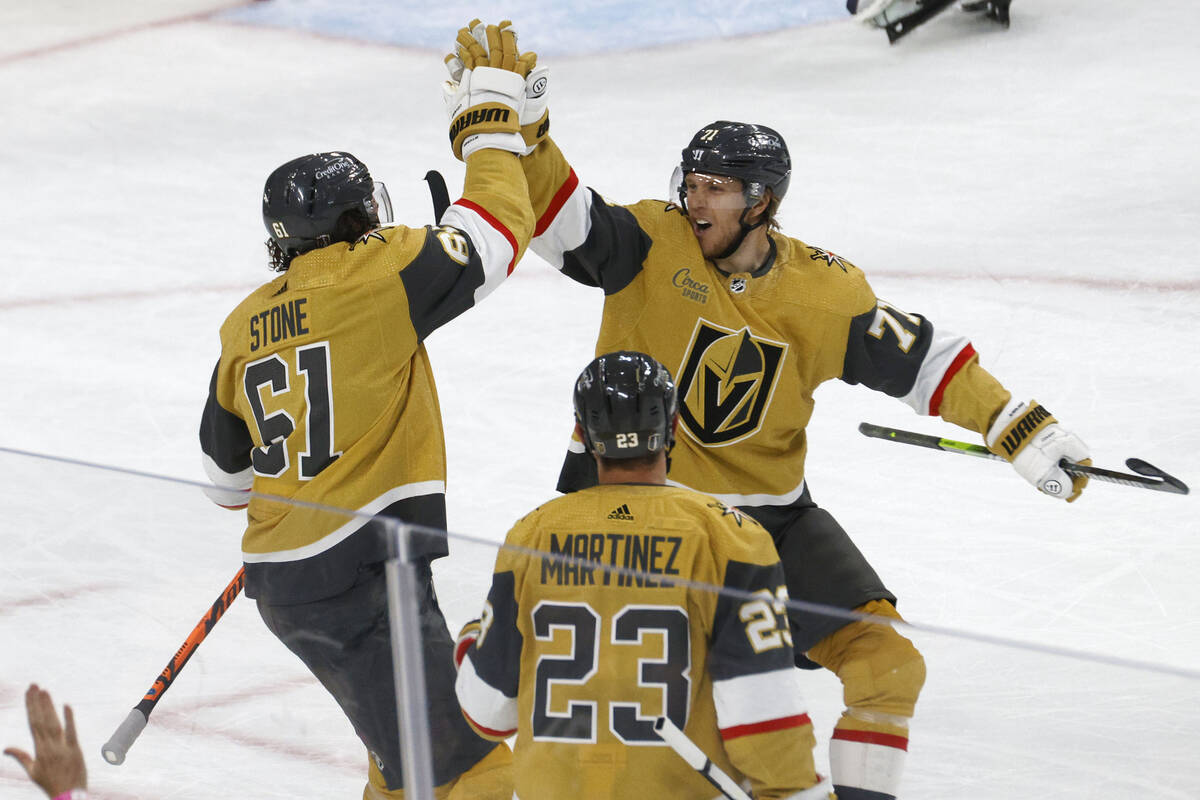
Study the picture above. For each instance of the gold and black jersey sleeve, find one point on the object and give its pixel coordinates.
(616, 248)
(582, 647)
(324, 392)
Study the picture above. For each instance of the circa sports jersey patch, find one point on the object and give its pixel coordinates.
(829, 258)
(689, 287)
(726, 382)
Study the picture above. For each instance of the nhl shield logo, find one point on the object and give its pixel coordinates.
(726, 383)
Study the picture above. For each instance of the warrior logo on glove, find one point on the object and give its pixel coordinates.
(1018, 433)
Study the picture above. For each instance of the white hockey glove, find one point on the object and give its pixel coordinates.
(476, 46)
(535, 117)
(1032, 440)
(465, 641)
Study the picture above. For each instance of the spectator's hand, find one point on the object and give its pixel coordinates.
(57, 765)
(489, 79)
(1029, 437)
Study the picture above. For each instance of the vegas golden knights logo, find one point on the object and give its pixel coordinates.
(726, 382)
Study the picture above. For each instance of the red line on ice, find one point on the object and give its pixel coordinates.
(52, 596)
(1065, 280)
(259, 691)
(185, 722)
(84, 41)
(132, 294)
(1108, 284)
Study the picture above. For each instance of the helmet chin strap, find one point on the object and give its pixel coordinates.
(741, 237)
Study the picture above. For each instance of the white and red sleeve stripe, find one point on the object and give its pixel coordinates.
(760, 703)
(565, 224)
(488, 709)
(869, 761)
(948, 353)
(492, 240)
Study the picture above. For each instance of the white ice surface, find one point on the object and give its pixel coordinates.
(1037, 189)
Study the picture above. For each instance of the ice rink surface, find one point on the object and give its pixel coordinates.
(1037, 189)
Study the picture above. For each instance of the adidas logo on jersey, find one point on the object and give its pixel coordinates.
(621, 512)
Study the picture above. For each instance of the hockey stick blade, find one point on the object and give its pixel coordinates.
(1148, 476)
(1150, 471)
(902, 27)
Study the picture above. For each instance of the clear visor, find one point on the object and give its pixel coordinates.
(704, 190)
(380, 204)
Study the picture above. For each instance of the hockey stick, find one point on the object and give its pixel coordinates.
(696, 759)
(905, 25)
(127, 732)
(1148, 476)
(993, 9)
(438, 193)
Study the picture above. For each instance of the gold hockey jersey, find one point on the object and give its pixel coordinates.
(582, 647)
(747, 350)
(324, 393)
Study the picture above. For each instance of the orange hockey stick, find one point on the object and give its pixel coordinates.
(115, 748)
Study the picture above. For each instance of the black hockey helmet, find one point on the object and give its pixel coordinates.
(754, 154)
(305, 199)
(625, 403)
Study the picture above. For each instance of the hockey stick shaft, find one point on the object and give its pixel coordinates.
(118, 745)
(438, 193)
(696, 759)
(1147, 475)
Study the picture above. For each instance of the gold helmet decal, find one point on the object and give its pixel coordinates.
(726, 382)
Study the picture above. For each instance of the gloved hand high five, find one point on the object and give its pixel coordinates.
(495, 47)
(535, 117)
(1032, 440)
(479, 45)
(485, 101)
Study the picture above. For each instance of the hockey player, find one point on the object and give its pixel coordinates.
(752, 322)
(324, 393)
(577, 661)
(899, 17)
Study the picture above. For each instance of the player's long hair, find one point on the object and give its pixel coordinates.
(351, 225)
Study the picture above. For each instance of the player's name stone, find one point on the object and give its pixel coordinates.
(277, 323)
